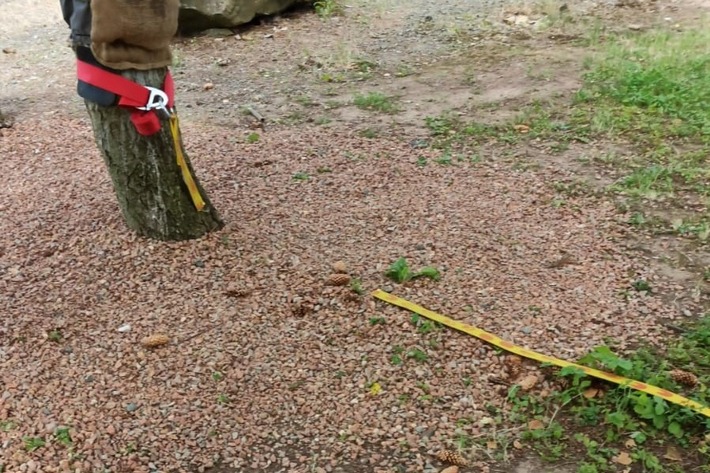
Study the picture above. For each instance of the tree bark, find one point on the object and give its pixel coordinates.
(146, 178)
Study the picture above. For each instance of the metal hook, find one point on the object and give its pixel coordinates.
(157, 100)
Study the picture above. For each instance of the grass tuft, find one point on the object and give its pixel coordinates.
(376, 101)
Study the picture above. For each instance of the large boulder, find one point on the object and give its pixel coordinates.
(196, 15)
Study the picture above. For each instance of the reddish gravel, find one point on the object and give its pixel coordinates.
(268, 368)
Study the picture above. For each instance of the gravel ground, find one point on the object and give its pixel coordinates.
(268, 368)
(295, 356)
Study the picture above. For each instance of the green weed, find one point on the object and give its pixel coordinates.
(327, 8)
(622, 418)
(425, 388)
(445, 159)
(301, 176)
(637, 219)
(652, 89)
(662, 75)
(647, 182)
(356, 286)
(7, 425)
(443, 125)
(396, 358)
(699, 229)
(417, 355)
(304, 100)
(375, 101)
(54, 336)
(369, 133)
(62, 435)
(364, 65)
(424, 326)
(33, 443)
(400, 273)
(404, 70)
(333, 77)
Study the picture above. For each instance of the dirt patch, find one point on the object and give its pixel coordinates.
(534, 465)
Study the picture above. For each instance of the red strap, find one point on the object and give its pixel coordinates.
(146, 123)
(130, 94)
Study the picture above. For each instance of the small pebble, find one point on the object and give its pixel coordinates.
(124, 328)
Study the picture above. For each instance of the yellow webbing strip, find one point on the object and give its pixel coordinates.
(186, 176)
(512, 348)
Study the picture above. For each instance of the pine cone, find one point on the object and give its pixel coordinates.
(685, 378)
(350, 296)
(155, 340)
(448, 456)
(340, 267)
(515, 365)
(338, 279)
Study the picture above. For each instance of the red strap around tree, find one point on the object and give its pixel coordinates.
(132, 95)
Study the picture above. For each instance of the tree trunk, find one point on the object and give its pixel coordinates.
(146, 177)
(4, 121)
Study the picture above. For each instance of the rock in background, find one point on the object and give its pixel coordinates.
(196, 15)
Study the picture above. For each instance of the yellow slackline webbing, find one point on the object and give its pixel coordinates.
(512, 348)
(186, 176)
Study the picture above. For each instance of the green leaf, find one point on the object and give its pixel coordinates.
(639, 437)
(399, 271)
(586, 360)
(659, 422)
(675, 429)
(660, 407)
(643, 406)
(428, 272)
(618, 419)
(625, 365)
(576, 373)
(572, 371)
